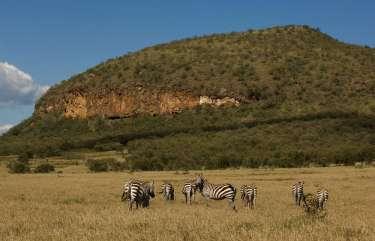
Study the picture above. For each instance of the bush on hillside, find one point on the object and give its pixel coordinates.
(24, 157)
(112, 146)
(106, 164)
(115, 165)
(97, 165)
(18, 167)
(44, 168)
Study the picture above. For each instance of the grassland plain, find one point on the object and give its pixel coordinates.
(76, 205)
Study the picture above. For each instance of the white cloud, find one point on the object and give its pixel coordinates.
(18, 87)
(5, 128)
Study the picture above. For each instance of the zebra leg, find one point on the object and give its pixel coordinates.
(321, 205)
(130, 205)
(231, 204)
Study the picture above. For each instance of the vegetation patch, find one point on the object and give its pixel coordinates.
(305, 99)
(18, 167)
(44, 168)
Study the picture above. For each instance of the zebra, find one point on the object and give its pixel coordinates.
(189, 190)
(322, 197)
(297, 192)
(138, 192)
(248, 195)
(168, 191)
(216, 191)
(125, 189)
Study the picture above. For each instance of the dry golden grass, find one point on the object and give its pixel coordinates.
(83, 206)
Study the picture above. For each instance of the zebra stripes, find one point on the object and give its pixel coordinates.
(125, 189)
(248, 195)
(189, 190)
(138, 192)
(167, 191)
(322, 198)
(216, 191)
(297, 192)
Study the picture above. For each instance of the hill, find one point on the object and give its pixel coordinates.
(283, 96)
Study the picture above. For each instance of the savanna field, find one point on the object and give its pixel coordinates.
(73, 204)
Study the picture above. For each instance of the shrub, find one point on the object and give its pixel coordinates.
(115, 165)
(25, 157)
(49, 151)
(18, 167)
(44, 168)
(108, 146)
(106, 164)
(97, 165)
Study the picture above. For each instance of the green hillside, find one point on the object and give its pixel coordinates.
(305, 98)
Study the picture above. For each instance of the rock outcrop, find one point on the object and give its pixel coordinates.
(113, 104)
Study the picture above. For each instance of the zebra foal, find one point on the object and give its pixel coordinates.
(297, 192)
(248, 195)
(189, 190)
(167, 191)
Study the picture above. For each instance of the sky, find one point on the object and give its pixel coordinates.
(45, 41)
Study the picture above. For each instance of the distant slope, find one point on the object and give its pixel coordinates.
(287, 93)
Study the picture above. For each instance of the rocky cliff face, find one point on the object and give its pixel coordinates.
(115, 104)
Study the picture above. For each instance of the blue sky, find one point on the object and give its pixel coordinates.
(44, 41)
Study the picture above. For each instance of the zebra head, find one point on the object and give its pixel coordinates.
(200, 181)
(150, 189)
(125, 192)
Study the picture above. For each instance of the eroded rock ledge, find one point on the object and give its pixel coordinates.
(119, 105)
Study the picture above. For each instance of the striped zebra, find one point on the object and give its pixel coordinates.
(248, 195)
(189, 190)
(125, 189)
(322, 198)
(216, 191)
(297, 192)
(168, 191)
(138, 192)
